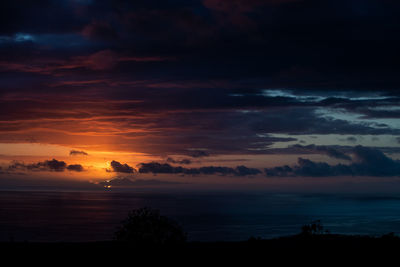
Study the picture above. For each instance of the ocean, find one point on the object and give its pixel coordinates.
(217, 216)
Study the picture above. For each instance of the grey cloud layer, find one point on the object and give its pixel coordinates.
(329, 151)
(156, 167)
(368, 162)
(365, 162)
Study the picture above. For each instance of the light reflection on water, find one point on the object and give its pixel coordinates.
(91, 216)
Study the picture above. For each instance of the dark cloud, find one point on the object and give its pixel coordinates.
(88, 68)
(47, 165)
(26, 16)
(302, 150)
(351, 139)
(307, 121)
(307, 167)
(229, 132)
(78, 153)
(102, 60)
(122, 168)
(375, 163)
(182, 132)
(279, 171)
(308, 44)
(156, 167)
(236, 12)
(180, 161)
(244, 171)
(100, 30)
(328, 150)
(368, 162)
(198, 153)
(75, 167)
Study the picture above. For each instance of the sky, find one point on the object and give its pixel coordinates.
(274, 94)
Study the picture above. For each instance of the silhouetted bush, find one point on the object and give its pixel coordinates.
(254, 239)
(314, 228)
(390, 236)
(146, 226)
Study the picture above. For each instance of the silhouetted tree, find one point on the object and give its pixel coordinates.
(390, 236)
(146, 226)
(314, 228)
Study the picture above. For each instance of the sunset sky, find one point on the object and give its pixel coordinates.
(282, 94)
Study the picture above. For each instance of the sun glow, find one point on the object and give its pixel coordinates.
(33, 149)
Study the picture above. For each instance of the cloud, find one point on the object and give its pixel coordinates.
(101, 70)
(375, 163)
(244, 171)
(50, 165)
(78, 153)
(47, 165)
(184, 132)
(75, 167)
(248, 128)
(237, 11)
(310, 168)
(324, 26)
(351, 139)
(198, 153)
(102, 60)
(368, 162)
(100, 30)
(241, 5)
(329, 151)
(156, 167)
(181, 161)
(122, 168)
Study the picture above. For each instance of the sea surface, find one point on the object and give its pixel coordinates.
(94, 216)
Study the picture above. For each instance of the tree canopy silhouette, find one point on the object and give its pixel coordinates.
(146, 226)
(314, 228)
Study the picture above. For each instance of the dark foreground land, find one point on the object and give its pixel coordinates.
(336, 249)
